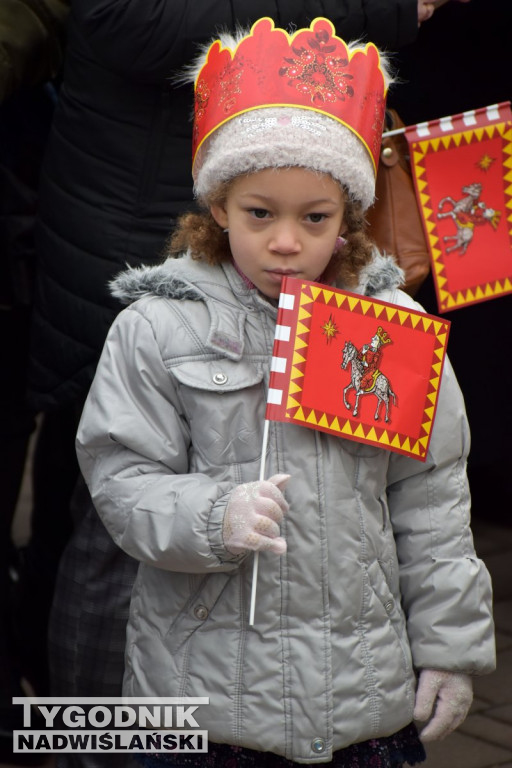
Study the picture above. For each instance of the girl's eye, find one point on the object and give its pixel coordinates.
(259, 213)
(316, 218)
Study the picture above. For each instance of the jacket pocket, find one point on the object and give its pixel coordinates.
(224, 404)
(391, 645)
(197, 610)
(389, 602)
(218, 376)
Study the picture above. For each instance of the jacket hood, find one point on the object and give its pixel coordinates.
(137, 282)
(381, 274)
(181, 278)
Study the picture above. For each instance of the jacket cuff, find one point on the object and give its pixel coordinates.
(214, 532)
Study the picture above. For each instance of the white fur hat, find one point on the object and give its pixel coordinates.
(283, 137)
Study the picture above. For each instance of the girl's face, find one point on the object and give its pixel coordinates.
(282, 221)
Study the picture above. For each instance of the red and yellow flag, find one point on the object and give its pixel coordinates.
(356, 367)
(462, 170)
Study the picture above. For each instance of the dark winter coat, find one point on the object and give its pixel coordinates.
(117, 170)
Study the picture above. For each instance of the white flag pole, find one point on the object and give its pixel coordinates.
(394, 132)
(256, 554)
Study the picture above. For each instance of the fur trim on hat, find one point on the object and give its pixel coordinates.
(284, 137)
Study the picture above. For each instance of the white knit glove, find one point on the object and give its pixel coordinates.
(253, 515)
(446, 694)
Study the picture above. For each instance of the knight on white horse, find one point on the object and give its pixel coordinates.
(467, 213)
(366, 378)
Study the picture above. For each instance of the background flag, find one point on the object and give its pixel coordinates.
(462, 170)
(332, 347)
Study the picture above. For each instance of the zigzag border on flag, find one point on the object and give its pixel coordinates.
(452, 299)
(352, 426)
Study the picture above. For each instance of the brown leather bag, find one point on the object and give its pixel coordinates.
(394, 220)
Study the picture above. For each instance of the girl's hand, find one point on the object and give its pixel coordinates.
(253, 515)
(448, 695)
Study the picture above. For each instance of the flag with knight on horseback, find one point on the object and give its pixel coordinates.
(326, 375)
(461, 167)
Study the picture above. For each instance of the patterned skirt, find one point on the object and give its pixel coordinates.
(403, 747)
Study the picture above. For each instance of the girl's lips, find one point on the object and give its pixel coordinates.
(278, 274)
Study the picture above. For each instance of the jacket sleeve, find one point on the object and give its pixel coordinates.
(446, 588)
(152, 39)
(32, 36)
(132, 446)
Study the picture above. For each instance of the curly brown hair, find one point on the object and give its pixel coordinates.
(206, 241)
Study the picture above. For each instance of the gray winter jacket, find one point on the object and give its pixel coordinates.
(380, 577)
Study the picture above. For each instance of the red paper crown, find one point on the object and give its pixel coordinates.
(312, 69)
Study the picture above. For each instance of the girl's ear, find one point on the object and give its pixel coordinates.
(220, 215)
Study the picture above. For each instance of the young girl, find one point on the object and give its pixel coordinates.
(368, 579)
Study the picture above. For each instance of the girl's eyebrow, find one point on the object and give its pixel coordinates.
(270, 199)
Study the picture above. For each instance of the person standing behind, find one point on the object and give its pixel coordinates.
(116, 176)
(455, 81)
(32, 43)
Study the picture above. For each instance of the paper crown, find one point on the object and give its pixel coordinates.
(312, 69)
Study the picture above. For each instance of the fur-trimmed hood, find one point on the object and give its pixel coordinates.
(184, 277)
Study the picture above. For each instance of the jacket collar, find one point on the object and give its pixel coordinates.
(225, 292)
(220, 288)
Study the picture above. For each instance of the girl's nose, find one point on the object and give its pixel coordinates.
(285, 239)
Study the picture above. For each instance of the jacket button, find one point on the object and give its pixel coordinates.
(389, 606)
(201, 612)
(318, 745)
(220, 378)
